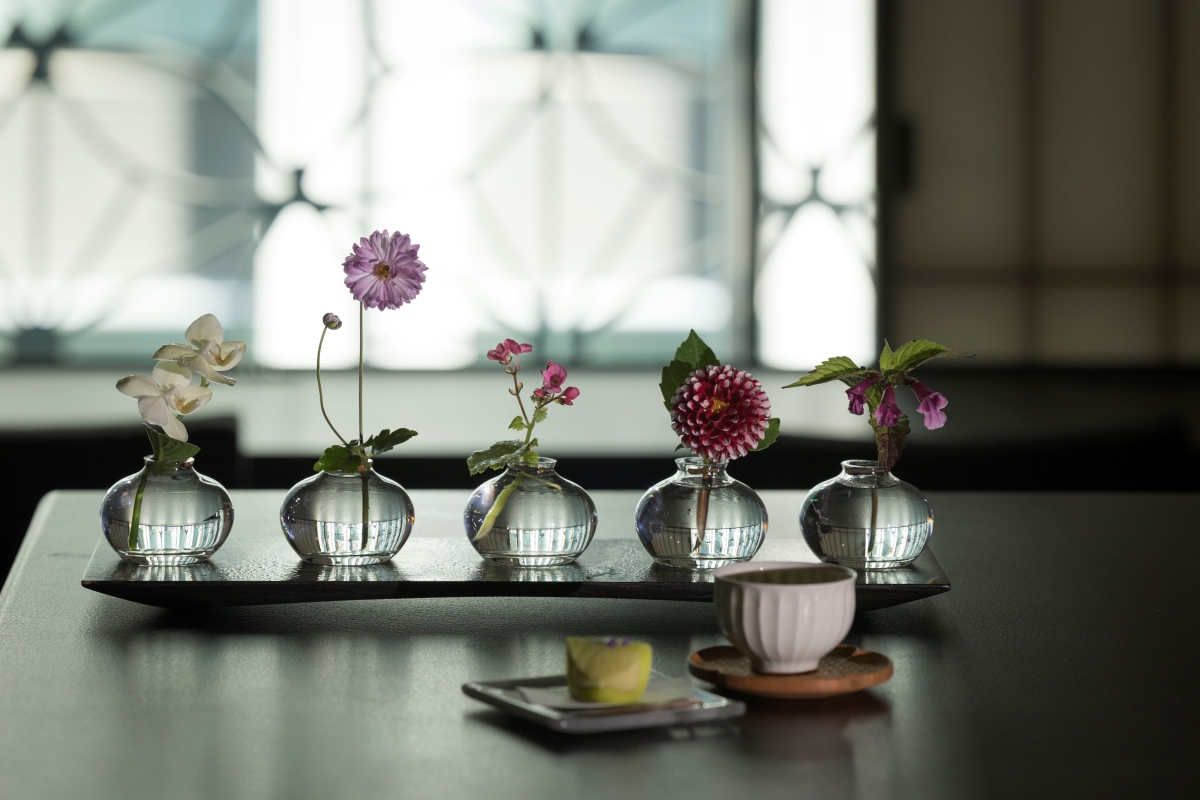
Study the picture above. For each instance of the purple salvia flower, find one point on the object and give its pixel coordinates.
(888, 413)
(383, 271)
(858, 394)
(930, 404)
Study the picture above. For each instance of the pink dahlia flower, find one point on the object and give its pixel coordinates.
(721, 413)
(930, 404)
(553, 377)
(858, 394)
(888, 413)
(383, 271)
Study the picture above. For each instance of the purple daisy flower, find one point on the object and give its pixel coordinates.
(384, 271)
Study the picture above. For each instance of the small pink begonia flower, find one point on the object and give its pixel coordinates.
(539, 393)
(499, 354)
(553, 377)
(888, 413)
(568, 396)
(516, 348)
(930, 404)
(858, 393)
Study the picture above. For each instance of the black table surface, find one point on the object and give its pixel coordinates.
(1061, 664)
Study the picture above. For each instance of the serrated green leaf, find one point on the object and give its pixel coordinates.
(168, 450)
(831, 369)
(530, 457)
(695, 352)
(499, 455)
(539, 416)
(889, 441)
(886, 357)
(385, 440)
(517, 424)
(771, 435)
(915, 353)
(338, 458)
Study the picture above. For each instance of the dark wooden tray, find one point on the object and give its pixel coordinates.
(257, 567)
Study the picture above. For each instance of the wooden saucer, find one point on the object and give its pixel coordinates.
(847, 669)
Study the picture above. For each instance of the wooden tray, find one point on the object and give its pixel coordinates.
(847, 669)
(257, 567)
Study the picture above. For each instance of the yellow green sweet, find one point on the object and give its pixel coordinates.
(607, 670)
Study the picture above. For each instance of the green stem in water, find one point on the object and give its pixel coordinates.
(366, 491)
(494, 512)
(702, 504)
(364, 470)
(135, 521)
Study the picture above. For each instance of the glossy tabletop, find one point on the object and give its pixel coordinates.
(1061, 664)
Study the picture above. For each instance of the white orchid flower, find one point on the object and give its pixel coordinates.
(167, 392)
(208, 354)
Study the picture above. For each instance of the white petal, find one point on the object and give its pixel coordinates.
(199, 395)
(202, 367)
(171, 352)
(139, 386)
(154, 410)
(169, 374)
(205, 329)
(174, 428)
(230, 354)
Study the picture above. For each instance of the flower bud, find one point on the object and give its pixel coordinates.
(332, 321)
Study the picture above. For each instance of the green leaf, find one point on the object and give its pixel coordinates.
(499, 455)
(530, 457)
(695, 352)
(771, 435)
(889, 442)
(689, 357)
(168, 450)
(338, 458)
(539, 416)
(385, 440)
(517, 424)
(886, 357)
(915, 353)
(831, 369)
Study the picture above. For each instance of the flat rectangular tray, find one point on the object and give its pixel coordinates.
(257, 567)
(503, 695)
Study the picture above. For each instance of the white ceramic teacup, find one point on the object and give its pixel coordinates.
(784, 615)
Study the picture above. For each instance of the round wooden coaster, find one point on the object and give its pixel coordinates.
(847, 669)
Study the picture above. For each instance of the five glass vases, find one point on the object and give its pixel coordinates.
(347, 518)
(182, 516)
(866, 518)
(529, 516)
(701, 518)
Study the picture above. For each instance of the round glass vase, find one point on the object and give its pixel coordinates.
(866, 518)
(529, 516)
(700, 518)
(347, 518)
(182, 516)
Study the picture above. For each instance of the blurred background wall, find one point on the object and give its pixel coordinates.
(794, 179)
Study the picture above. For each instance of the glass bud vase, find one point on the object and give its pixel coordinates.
(182, 516)
(701, 518)
(530, 516)
(347, 518)
(866, 518)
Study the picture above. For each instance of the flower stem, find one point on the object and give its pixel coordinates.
(498, 504)
(321, 392)
(702, 503)
(136, 519)
(364, 471)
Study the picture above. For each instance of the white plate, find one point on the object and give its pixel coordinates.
(505, 696)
